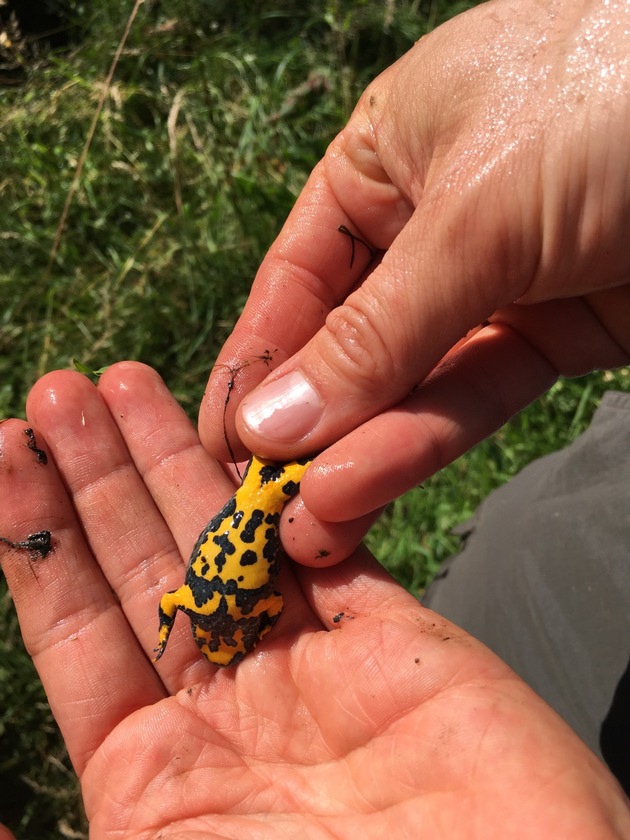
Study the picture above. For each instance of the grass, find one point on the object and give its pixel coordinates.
(210, 126)
(413, 536)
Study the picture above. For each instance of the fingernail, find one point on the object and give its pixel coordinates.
(285, 410)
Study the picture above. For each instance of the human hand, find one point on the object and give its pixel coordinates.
(391, 722)
(488, 168)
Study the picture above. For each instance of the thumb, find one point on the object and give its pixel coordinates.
(378, 344)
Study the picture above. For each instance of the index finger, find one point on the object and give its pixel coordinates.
(327, 245)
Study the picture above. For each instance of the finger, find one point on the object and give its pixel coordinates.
(182, 480)
(483, 381)
(186, 484)
(318, 543)
(474, 391)
(308, 271)
(73, 627)
(183, 485)
(128, 535)
(189, 488)
(374, 348)
(494, 374)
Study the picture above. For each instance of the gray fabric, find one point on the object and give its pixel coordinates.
(543, 579)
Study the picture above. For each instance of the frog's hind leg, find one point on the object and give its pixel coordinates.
(170, 602)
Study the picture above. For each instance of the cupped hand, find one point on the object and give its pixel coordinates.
(486, 179)
(361, 715)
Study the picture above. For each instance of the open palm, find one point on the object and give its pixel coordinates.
(361, 715)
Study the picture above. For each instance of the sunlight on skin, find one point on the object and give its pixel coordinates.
(318, 729)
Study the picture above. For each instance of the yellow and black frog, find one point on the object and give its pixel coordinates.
(229, 592)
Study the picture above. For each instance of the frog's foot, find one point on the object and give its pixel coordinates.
(169, 604)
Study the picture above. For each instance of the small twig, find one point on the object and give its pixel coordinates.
(90, 136)
(354, 238)
(171, 125)
(265, 358)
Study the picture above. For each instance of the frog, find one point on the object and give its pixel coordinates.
(229, 591)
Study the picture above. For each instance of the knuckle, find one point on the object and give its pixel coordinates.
(357, 349)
